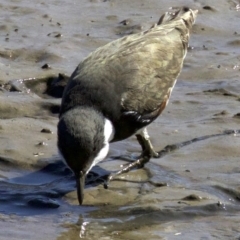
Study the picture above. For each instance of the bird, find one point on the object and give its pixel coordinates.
(117, 91)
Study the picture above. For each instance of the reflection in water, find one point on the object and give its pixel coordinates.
(157, 222)
(82, 233)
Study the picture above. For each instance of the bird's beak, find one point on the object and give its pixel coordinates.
(80, 180)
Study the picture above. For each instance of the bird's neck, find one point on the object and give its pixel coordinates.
(109, 130)
(108, 136)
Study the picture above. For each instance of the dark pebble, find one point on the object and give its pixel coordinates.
(237, 115)
(46, 66)
(125, 22)
(192, 197)
(58, 35)
(40, 144)
(45, 16)
(46, 130)
(209, 8)
(224, 112)
(204, 47)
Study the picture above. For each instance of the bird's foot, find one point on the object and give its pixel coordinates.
(155, 154)
(147, 147)
(139, 163)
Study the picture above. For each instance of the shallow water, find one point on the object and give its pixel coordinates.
(190, 193)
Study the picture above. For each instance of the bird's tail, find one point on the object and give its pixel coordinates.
(186, 14)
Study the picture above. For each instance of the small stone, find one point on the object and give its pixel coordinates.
(224, 112)
(237, 115)
(209, 8)
(192, 197)
(45, 16)
(221, 205)
(46, 130)
(125, 22)
(46, 66)
(58, 35)
(204, 47)
(41, 144)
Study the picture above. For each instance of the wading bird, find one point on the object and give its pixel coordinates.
(118, 90)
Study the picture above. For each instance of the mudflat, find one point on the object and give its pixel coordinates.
(191, 192)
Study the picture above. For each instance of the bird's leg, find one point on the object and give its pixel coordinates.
(147, 153)
(147, 147)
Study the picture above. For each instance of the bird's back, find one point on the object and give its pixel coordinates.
(134, 74)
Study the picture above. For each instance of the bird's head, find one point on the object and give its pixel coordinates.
(83, 140)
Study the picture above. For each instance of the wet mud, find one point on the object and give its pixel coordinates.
(191, 192)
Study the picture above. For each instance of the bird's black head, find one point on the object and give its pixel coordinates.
(80, 140)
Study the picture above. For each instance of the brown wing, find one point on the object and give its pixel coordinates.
(153, 73)
(140, 70)
(148, 64)
(151, 65)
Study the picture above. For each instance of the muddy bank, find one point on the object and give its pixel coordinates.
(191, 192)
